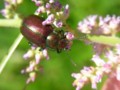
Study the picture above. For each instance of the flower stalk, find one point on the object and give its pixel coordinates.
(107, 40)
(10, 23)
(10, 52)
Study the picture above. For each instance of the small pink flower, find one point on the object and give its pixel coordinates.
(45, 54)
(32, 77)
(37, 58)
(69, 35)
(29, 54)
(58, 23)
(38, 3)
(51, 1)
(49, 20)
(97, 60)
(40, 10)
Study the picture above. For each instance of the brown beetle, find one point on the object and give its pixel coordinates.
(43, 36)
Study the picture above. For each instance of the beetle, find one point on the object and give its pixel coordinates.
(43, 36)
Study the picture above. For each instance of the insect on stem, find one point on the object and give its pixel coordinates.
(10, 52)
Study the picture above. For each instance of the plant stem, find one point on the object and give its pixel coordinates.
(10, 23)
(10, 52)
(108, 40)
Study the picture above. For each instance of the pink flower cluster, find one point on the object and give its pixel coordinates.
(56, 13)
(34, 56)
(98, 25)
(10, 8)
(104, 65)
(106, 57)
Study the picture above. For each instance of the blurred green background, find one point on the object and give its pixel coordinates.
(57, 71)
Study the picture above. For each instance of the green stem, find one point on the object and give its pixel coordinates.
(10, 23)
(10, 52)
(109, 40)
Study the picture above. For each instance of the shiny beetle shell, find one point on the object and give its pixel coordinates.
(34, 31)
(57, 40)
(43, 36)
